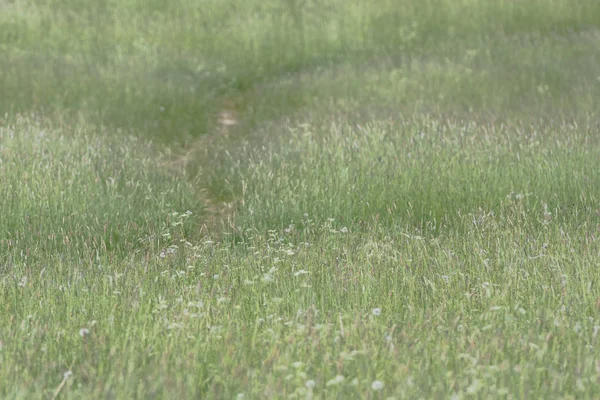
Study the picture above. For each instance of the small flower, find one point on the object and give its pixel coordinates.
(376, 312)
(67, 375)
(310, 384)
(216, 276)
(377, 385)
(344, 230)
(337, 380)
(84, 332)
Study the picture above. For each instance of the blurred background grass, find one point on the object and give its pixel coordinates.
(165, 69)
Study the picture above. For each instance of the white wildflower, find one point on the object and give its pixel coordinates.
(337, 380)
(377, 385)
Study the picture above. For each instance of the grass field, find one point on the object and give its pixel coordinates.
(299, 199)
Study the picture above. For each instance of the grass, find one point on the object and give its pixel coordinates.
(164, 69)
(419, 173)
(75, 191)
(406, 207)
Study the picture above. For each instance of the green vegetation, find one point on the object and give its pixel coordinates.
(299, 199)
(162, 68)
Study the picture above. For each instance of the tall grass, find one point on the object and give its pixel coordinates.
(421, 173)
(75, 191)
(407, 206)
(346, 301)
(162, 68)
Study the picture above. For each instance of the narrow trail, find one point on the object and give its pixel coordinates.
(219, 214)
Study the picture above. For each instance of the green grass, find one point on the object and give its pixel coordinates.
(163, 69)
(419, 172)
(76, 191)
(407, 207)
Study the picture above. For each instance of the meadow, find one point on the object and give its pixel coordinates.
(299, 199)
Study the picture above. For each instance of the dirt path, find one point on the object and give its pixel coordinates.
(219, 215)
